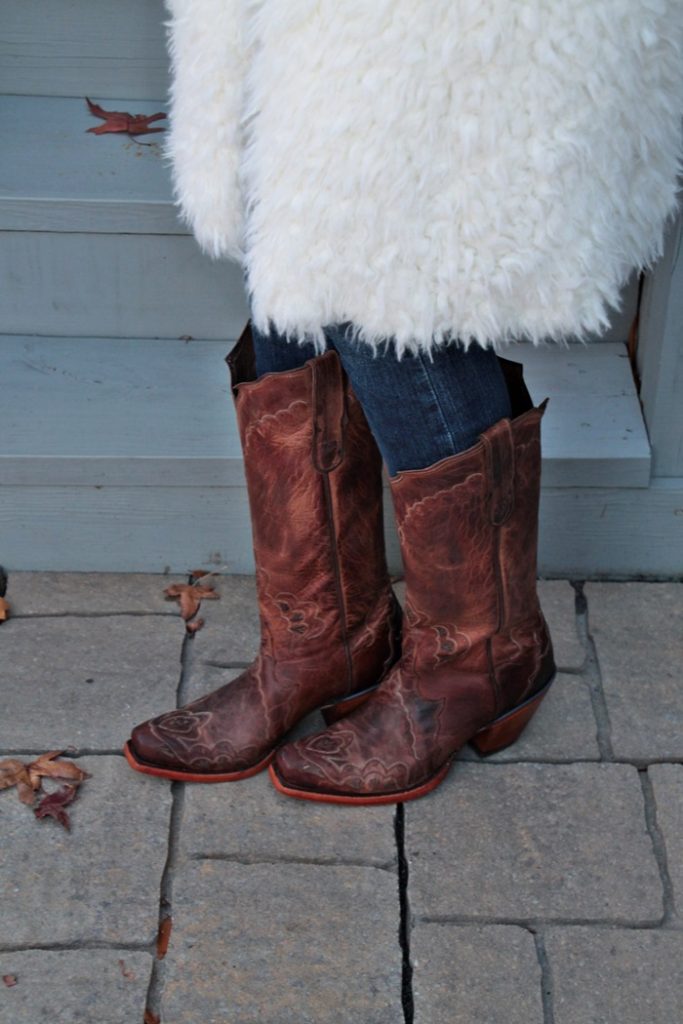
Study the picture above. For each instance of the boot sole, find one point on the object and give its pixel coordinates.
(177, 775)
(500, 734)
(380, 798)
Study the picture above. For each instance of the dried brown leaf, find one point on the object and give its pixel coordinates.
(26, 793)
(53, 805)
(4, 609)
(9, 980)
(192, 627)
(12, 772)
(126, 971)
(190, 596)
(163, 937)
(151, 1018)
(123, 121)
(47, 766)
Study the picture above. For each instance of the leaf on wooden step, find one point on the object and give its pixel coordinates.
(9, 980)
(53, 805)
(4, 610)
(122, 121)
(190, 597)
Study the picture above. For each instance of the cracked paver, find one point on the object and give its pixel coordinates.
(284, 910)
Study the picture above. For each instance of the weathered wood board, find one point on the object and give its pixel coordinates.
(124, 412)
(83, 47)
(585, 533)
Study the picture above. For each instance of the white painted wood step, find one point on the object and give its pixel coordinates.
(158, 413)
(57, 176)
(77, 47)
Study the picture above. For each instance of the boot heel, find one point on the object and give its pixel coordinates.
(333, 712)
(509, 727)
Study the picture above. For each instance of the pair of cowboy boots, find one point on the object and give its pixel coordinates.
(470, 660)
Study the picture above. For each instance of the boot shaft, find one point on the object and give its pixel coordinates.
(468, 527)
(314, 485)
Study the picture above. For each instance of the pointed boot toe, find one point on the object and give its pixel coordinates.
(146, 748)
(298, 770)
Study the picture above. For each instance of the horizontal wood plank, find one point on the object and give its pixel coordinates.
(79, 47)
(122, 412)
(55, 175)
(117, 285)
(589, 533)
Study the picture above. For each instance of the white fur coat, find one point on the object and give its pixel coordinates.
(491, 169)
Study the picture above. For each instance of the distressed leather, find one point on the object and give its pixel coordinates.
(475, 643)
(330, 623)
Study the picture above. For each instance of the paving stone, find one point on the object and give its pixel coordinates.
(231, 631)
(296, 944)
(99, 882)
(488, 974)
(557, 599)
(563, 728)
(667, 781)
(75, 986)
(59, 593)
(84, 682)
(249, 820)
(638, 633)
(530, 841)
(616, 976)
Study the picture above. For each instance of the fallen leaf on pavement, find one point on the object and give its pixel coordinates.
(163, 937)
(10, 980)
(53, 805)
(28, 780)
(126, 971)
(192, 627)
(15, 773)
(11, 771)
(190, 596)
(47, 766)
(151, 1018)
(4, 610)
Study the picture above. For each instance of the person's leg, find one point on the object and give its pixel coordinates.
(420, 409)
(274, 354)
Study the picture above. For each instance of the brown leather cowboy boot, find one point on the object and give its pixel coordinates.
(477, 657)
(330, 622)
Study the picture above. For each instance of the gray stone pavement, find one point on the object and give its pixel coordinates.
(541, 886)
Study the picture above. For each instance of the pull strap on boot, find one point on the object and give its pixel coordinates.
(477, 658)
(330, 623)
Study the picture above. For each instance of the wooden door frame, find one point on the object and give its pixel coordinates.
(660, 355)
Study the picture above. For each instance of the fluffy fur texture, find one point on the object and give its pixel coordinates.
(491, 169)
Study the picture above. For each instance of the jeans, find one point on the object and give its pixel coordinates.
(420, 409)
